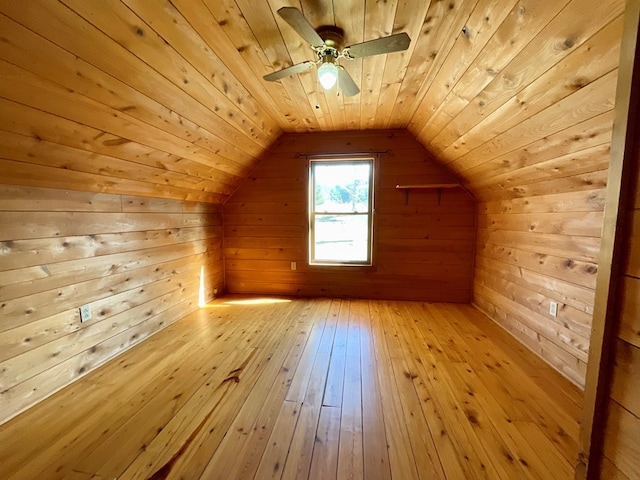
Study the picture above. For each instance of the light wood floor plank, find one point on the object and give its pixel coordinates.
(414, 344)
(420, 434)
(260, 395)
(524, 392)
(490, 441)
(301, 449)
(132, 433)
(240, 451)
(374, 437)
(401, 458)
(350, 451)
(307, 388)
(335, 377)
(475, 461)
(324, 463)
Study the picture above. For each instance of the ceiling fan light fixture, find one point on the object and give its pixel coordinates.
(327, 74)
(327, 41)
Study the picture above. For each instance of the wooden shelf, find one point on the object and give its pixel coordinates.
(438, 186)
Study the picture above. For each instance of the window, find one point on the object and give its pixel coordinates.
(340, 211)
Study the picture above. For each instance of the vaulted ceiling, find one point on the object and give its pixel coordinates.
(166, 97)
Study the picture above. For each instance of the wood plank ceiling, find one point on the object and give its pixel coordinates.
(165, 98)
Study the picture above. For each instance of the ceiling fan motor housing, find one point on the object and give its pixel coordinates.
(333, 36)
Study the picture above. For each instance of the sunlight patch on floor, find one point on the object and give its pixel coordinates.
(257, 301)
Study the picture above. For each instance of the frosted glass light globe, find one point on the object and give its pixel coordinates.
(328, 75)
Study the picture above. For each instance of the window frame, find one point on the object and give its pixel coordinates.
(342, 159)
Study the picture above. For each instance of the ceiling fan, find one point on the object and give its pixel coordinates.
(327, 42)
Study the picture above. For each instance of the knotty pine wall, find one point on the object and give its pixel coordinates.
(423, 249)
(539, 248)
(136, 261)
(541, 188)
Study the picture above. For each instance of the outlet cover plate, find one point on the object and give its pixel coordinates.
(85, 313)
(553, 308)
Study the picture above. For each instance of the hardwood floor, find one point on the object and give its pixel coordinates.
(250, 388)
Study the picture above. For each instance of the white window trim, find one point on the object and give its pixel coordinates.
(311, 213)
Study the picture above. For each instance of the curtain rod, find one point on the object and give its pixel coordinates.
(341, 155)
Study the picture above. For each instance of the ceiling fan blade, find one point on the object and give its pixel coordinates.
(292, 70)
(301, 25)
(392, 43)
(347, 85)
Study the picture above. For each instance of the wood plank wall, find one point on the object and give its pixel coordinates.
(136, 261)
(539, 249)
(423, 249)
(539, 173)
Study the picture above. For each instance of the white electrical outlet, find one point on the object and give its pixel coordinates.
(294, 265)
(85, 313)
(553, 308)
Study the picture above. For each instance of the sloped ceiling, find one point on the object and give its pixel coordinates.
(166, 98)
